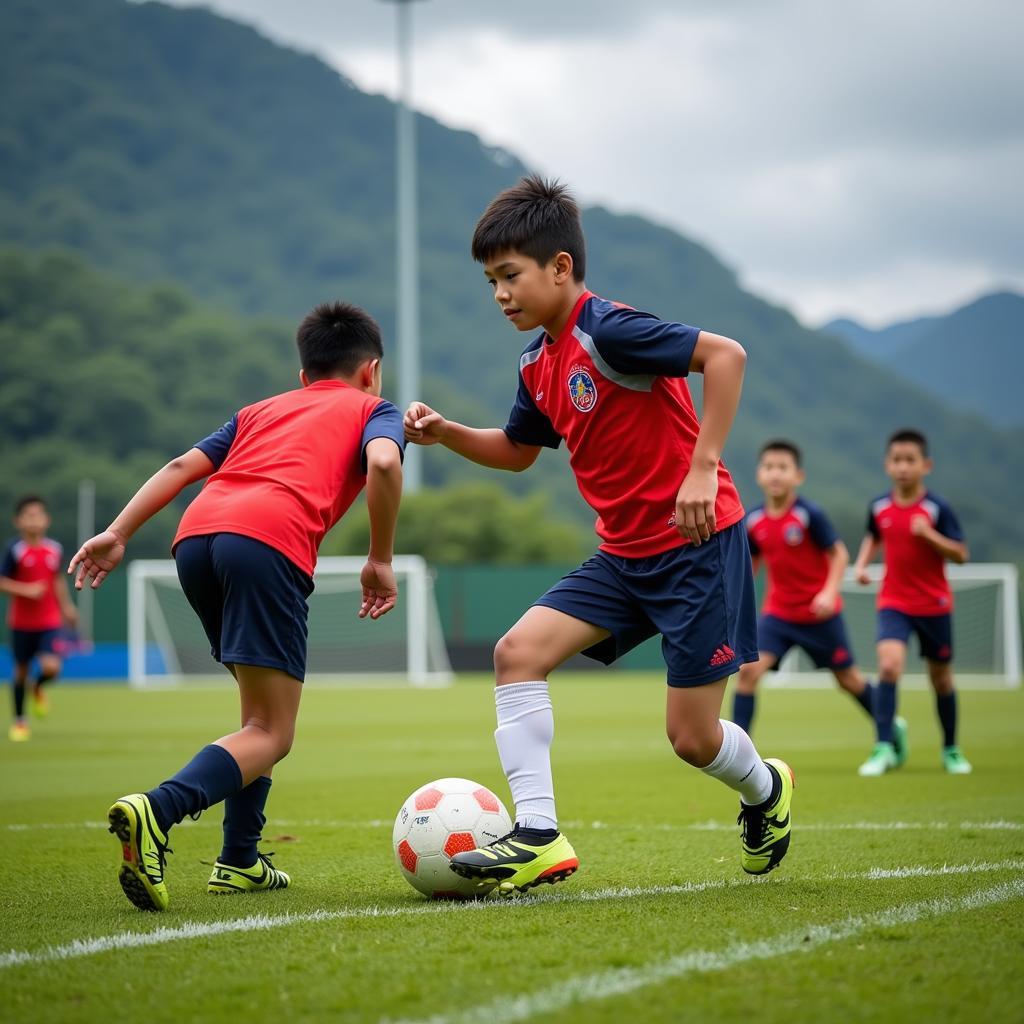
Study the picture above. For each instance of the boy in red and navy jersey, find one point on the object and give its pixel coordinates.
(918, 532)
(39, 607)
(805, 561)
(281, 473)
(673, 560)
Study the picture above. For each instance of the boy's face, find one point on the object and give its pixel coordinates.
(778, 475)
(906, 465)
(33, 519)
(529, 294)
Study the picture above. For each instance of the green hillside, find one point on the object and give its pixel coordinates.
(971, 358)
(168, 144)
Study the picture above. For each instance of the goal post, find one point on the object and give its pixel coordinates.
(986, 629)
(167, 645)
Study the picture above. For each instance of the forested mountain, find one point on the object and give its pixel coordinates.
(173, 145)
(972, 358)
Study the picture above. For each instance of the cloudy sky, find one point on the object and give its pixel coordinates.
(861, 159)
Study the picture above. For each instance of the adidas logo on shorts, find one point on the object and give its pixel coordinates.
(722, 656)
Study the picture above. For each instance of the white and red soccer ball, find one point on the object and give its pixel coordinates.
(441, 819)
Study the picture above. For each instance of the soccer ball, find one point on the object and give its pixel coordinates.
(441, 819)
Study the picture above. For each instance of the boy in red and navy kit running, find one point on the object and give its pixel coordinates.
(918, 532)
(39, 607)
(805, 561)
(609, 381)
(281, 473)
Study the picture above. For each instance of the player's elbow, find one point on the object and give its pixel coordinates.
(383, 459)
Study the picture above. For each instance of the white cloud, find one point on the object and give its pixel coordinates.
(860, 158)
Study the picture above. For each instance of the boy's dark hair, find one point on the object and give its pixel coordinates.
(335, 338)
(25, 500)
(536, 217)
(911, 436)
(780, 444)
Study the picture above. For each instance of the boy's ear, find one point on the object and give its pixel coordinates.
(304, 379)
(928, 464)
(563, 265)
(368, 373)
(801, 476)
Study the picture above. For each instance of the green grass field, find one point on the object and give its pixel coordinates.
(901, 898)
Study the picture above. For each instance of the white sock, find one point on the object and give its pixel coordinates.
(526, 727)
(740, 767)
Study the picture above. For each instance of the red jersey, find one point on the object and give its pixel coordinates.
(611, 386)
(915, 573)
(793, 547)
(34, 563)
(289, 467)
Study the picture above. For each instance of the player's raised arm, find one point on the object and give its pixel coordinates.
(954, 550)
(490, 447)
(722, 361)
(101, 554)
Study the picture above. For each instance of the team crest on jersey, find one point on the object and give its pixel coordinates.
(793, 534)
(582, 389)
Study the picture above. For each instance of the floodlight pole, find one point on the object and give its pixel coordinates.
(407, 298)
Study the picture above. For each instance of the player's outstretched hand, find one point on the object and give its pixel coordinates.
(97, 557)
(423, 425)
(380, 589)
(695, 505)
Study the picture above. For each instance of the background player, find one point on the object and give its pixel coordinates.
(40, 605)
(673, 559)
(918, 531)
(284, 471)
(805, 561)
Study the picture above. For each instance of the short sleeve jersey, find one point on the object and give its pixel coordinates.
(289, 467)
(612, 386)
(915, 573)
(33, 563)
(793, 547)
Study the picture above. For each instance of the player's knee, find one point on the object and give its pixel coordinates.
(692, 748)
(889, 669)
(514, 659)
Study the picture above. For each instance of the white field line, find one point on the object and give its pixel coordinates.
(588, 988)
(265, 922)
(998, 825)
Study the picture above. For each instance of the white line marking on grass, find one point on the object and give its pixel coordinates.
(588, 988)
(699, 826)
(265, 922)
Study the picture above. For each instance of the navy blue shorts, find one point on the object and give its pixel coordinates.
(934, 632)
(250, 599)
(27, 644)
(700, 599)
(825, 642)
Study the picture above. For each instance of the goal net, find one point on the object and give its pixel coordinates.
(167, 645)
(986, 630)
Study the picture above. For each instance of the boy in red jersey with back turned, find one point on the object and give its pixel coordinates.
(918, 531)
(281, 473)
(805, 560)
(39, 606)
(608, 380)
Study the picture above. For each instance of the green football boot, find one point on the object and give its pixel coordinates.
(954, 762)
(883, 759)
(144, 851)
(519, 861)
(261, 877)
(900, 741)
(765, 827)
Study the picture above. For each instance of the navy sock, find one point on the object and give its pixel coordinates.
(45, 677)
(885, 709)
(866, 699)
(208, 778)
(19, 698)
(743, 710)
(945, 705)
(243, 823)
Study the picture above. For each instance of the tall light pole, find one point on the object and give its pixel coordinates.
(407, 297)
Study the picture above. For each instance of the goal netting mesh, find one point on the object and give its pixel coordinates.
(167, 645)
(986, 630)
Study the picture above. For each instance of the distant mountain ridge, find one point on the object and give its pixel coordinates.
(165, 143)
(973, 358)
